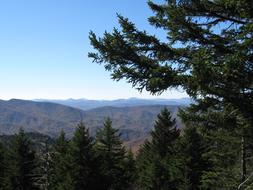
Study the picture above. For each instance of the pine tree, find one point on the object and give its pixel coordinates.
(46, 167)
(223, 153)
(23, 165)
(144, 164)
(2, 167)
(85, 163)
(112, 156)
(194, 149)
(61, 163)
(130, 172)
(157, 161)
(207, 51)
(225, 131)
(165, 134)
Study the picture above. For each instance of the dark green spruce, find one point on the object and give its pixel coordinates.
(113, 158)
(207, 51)
(23, 171)
(3, 166)
(61, 165)
(157, 163)
(195, 164)
(85, 162)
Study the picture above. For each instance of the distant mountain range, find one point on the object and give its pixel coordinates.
(86, 104)
(46, 118)
(134, 122)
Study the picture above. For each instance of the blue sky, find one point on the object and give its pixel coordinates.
(44, 46)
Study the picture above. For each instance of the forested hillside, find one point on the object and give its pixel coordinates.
(203, 47)
(46, 118)
(170, 158)
(50, 118)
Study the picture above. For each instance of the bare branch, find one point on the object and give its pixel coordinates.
(245, 181)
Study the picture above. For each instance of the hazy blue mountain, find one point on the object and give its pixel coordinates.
(86, 104)
(133, 122)
(46, 118)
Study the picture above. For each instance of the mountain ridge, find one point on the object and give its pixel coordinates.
(134, 122)
(86, 104)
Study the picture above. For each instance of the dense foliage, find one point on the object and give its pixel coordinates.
(157, 162)
(193, 158)
(207, 51)
(23, 170)
(82, 162)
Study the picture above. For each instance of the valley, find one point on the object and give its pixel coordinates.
(134, 121)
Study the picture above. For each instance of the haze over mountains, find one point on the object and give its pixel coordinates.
(86, 104)
(133, 117)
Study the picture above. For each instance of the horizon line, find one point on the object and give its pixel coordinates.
(82, 98)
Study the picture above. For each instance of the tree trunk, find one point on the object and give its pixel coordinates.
(243, 160)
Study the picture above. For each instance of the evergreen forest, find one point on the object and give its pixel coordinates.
(190, 158)
(207, 51)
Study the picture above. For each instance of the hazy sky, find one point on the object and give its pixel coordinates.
(44, 46)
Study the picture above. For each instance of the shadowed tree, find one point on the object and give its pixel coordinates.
(3, 167)
(61, 163)
(157, 161)
(113, 157)
(85, 162)
(194, 148)
(207, 51)
(23, 168)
